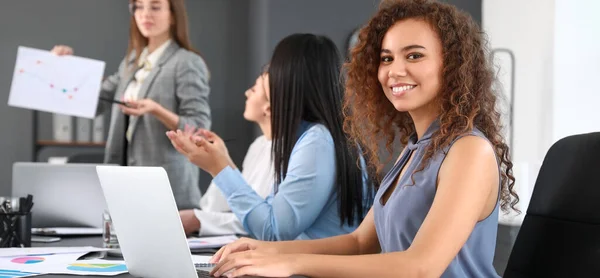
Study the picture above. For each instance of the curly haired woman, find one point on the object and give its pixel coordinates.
(420, 70)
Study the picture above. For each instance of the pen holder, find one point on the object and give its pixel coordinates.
(15, 229)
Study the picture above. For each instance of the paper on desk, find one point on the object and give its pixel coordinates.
(11, 252)
(211, 242)
(38, 263)
(66, 85)
(97, 267)
(58, 231)
(7, 273)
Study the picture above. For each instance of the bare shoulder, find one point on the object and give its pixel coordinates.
(472, 147)
(470, 160)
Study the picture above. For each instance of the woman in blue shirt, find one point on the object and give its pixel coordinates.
(421, 71)
(319, 191)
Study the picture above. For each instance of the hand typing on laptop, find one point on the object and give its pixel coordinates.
(252, 257)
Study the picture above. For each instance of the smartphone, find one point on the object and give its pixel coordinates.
(44, 239)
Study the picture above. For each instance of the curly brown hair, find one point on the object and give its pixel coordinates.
(466, 98)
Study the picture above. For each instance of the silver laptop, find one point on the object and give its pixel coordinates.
(64, 195)
(146, 219)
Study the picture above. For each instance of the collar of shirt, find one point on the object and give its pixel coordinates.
(149, 60)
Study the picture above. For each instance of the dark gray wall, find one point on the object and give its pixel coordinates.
(219, 29)
(333, 18)
(473, 7)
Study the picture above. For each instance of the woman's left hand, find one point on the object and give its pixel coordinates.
(212, 156)
(256, 263)
(139, 107)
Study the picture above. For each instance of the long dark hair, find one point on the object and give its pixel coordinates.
(179, 31)
(305, 84)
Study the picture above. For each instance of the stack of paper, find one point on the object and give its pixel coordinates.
(9, 252)
(24, 262)
(66, 231)
(210, 242)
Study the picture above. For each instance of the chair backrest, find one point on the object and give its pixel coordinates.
(560, 235)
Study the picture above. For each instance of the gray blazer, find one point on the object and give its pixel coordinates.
(179, 82)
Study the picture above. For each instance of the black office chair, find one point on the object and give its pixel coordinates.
(560, 235)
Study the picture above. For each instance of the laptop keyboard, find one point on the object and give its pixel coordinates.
(204, 265)
(204, 273)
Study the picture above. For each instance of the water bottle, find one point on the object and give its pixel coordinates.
(109, 235)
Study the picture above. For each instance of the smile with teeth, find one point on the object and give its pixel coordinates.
(400, 89)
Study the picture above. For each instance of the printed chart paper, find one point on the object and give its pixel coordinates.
(7, 273)
(24, 266)
(67, 85)
(38, 263)
(12, 252)
(97, 267)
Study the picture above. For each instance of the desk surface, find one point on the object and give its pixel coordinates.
(95, 241)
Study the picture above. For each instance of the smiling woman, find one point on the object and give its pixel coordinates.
(164, 83)
(420, 70)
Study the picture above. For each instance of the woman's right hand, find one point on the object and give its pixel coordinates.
(61, 50)
(207, 152)
(241, 245)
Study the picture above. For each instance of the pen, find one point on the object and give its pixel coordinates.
(114, 101)
(22, 204)
(29, 203)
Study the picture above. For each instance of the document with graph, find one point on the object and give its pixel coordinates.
(68, 85)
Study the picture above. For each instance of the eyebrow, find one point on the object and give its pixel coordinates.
(406, 48)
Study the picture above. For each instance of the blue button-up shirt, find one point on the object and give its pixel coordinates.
(305, 206)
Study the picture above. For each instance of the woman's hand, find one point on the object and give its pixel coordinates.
(190, 222)
(203, 148)
(250, 252)
(257, 263)
(62, 50)
(243, 244)
(139, 107)
(213, 138)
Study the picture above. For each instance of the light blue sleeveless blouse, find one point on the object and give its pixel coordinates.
(398, 221)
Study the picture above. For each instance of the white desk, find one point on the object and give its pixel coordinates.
(95, 241)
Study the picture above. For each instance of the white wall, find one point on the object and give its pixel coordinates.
(555, 44)
(576, 68)
(525, 28)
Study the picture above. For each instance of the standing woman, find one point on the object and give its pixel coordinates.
(164, 82)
